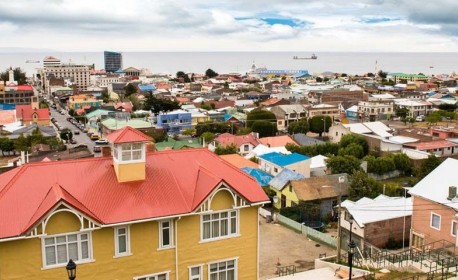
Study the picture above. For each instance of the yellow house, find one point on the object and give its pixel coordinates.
(138, 215)
(199, 117)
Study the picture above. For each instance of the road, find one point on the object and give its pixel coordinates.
(81, 138)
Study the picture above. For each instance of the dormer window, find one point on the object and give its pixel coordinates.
(127, 152)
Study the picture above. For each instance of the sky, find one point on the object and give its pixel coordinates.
(233, 25)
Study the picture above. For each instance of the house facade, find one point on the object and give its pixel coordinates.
(175, 121)
(273, 163)
(435, 206)
(143, 220)
(287, 114)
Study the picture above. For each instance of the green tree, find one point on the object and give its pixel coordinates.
(260, 115)
(130, 89)
(43, 104)
(348, 139)
(447, 107)
(210, 73)
(105, 96)
(343, 164)
(20, 144)
(354, 149)
(382, 74)
(320, 124)
(189, 131)
(208, 136)
(19, 76)
(229, 149)
(264, 128)
(71, 112)
(243, 131)
(403, 163)
(301, 126)
(6, 145)
(319, 79)
(66, 134)
(157, 105)
(434, 117)
(158, 136)
(427, 166)
(136, 103)
(214, 127)
(362, 185)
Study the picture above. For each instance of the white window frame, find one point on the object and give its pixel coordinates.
(116, 239)
(171, 235)
(235, 260)
(219, 219)
(431, 222)
(196, 277)
(79, 242)
(155, 275)
(117, 155)
(451, 228)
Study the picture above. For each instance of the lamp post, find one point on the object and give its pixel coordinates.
(339, 199)
(351, 249)
(71, 269)
(274, 200)
(406, 188)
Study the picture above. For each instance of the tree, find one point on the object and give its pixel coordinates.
(157, 105)
(264, 128)
(348, 139)
(189, 132)
(403, 163)
(6, 145)
(319, 79)
(130, 89)
(447, 107)
(71, 112)
(382, 74)
(43, 104)
(362, 185)
(66, 134)
(370, 74)
(214, 127)
(19, 76)
(343, 164)
(21, 143)
(229, 149)
(105, 96)
(434, 117)
(320, 124)
(208, 137)
(427, 166)
(301, 126)
(158, 136)
(354, 149)
(401, 112)
(210, 73)
(259, 114)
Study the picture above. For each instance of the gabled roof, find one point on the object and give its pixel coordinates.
(284, 160)
(25, 113)
(126, 135)
(282, 178)
(435, 185)
(277, 141)
(263, 178)
(238, 161)
(226, 139)
(435, 144)
(305, 140)
(177, 182)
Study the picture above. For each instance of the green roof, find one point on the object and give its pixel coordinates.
(114, 124)
(97, 113)
(176, 145)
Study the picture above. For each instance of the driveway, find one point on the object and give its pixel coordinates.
(282, 245)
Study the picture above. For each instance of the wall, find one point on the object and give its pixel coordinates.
(336, 132)
(302, 167)
(421, 220)
(378, 233)
(22, 259)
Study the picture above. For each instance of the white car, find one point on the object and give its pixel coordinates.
(101, 142)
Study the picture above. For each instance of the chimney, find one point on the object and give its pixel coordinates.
(451, 192)
(106, 151)
(150, 147)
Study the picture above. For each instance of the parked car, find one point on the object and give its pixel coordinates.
(94, 137)
(97, 149)
(72, 141)
(76, 132)
(101, 142)
(420, 118)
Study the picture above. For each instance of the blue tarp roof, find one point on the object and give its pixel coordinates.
(261, 177)
(147, 87)
(282, 178)
(283, 160)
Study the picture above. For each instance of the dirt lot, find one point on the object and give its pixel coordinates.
(283, 245)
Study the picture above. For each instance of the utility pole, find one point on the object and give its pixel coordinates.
(339, 198)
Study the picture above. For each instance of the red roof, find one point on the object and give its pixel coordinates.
(177, 182)
(436, 144)
(24, 87)
(127, 134)
(226, 139)
(25, 113)
(277, 141)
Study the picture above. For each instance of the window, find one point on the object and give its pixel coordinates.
(158, 276)
(122, 241)
(131, 151)
(166, 234)
(435, 221)
(217, 225)
(61, 248)
(453, 231)
(195, 273)
(275, 169)
(225, 270)
(246, 148)
(290, 188)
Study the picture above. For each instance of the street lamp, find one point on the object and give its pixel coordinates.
(351, 249)
(71, 269)
(339, 234)
(274, 200)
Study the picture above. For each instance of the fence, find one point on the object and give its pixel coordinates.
(307, 231)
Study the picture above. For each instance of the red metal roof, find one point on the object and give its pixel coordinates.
(24, 87)
(126, 135)
(177, 182)
(25, 113)
(226, 139)
(436, 144)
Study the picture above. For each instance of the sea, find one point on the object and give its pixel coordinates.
(353, 63)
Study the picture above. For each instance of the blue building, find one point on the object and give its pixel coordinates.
(175, 122)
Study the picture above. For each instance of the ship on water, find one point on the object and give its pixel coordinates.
(32, 61)
(313, 56)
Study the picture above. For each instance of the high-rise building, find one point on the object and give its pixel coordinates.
(113, 61)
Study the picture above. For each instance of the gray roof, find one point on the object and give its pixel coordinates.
(282, 178)
(292, 108)
(305, 140)
(46, 131)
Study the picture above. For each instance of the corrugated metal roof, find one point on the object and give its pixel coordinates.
(127, 134)
(263, 178)
(176, 182)
(282, 178)
(283, 160)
